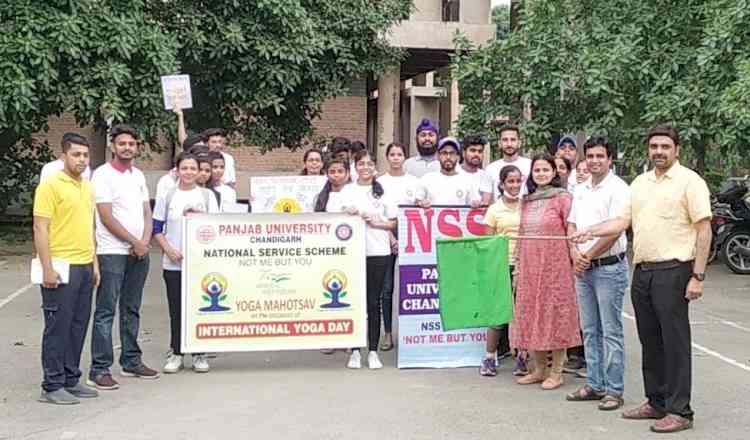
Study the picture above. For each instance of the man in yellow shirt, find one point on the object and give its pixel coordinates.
(64, 231)
(670, 211)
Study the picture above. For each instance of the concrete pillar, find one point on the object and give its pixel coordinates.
(389, 94)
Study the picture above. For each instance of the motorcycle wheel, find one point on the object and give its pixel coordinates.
(736, 252)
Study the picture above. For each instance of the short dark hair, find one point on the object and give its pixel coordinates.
(122, 129)
(210, 132)
(215, 155)
(664, 130)
(183, 157)
(192, 140)
(509, 127)
(530, 184)
(358, 146)
(599, 141)
(474, 139)
(198, 150)
(340, 143)
(69, 139)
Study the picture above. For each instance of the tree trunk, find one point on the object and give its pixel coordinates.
(515, 12)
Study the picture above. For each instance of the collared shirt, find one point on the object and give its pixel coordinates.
(420, 165)
(663, 212)
(125, 189)
(57, 165)
(594, 204)
(69, 206)
(505, 220)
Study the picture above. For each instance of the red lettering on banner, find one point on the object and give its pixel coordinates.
(274, 329)
(449, 229)
(420, 225)
(474, 227)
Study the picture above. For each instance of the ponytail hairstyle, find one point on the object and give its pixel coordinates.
(506, 171)
(377, 188)
(321, 200)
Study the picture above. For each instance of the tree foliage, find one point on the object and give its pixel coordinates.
(259, 68)
(616, 68)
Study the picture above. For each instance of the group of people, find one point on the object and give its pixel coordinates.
(568, 287)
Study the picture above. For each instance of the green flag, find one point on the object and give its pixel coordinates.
(474, 282)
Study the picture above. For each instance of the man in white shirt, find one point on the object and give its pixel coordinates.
(216, 139)
(58, 164)
(426, 161)
(123, 232)
(473, 151)
(601, 277)
(448, 186)
(568, 148)
(510, 148)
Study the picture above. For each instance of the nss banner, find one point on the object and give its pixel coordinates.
(273, 282)
(423, 343)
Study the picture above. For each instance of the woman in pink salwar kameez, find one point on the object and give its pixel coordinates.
(546, 310)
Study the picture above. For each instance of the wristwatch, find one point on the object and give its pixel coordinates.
(699, 276)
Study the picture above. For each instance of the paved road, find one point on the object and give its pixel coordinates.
(306, 395)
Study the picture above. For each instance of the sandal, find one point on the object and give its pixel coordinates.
(585, 393)
(611, 402)
(387, 344)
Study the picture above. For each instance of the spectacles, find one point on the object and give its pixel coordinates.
(566, 147)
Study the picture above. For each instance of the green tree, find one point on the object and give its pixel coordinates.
(501, 19)
(617, 68)
(259, 68)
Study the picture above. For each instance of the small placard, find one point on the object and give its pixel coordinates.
(176, 91)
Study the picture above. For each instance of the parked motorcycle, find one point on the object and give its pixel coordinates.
(731, 226)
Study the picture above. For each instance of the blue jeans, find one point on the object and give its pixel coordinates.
(67, 310)
(600, 295)
(123, 277)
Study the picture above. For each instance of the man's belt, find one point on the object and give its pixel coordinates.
(607, 261)
(661, 265)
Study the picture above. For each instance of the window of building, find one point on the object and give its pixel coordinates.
(451, 10)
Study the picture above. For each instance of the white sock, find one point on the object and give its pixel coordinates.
(489, 355)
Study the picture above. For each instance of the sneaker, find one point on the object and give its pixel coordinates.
(488, 367)
(103, 382)
(200, 363)
(58, 397)
(373, 361)
(173, 364)
(82, 392)
(355, 360)
(141, 372)
(521, 368)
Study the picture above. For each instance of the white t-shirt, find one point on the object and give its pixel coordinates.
(228, 195)
(166, 182)
(384, 208)
(441, 189)
(126, 191)
(572, 182)
(230, 175)
(481, 179)
(420, 165)
(58, 165)
(493, 170)
(182, 203)
(335, 201)
(596, 204)
(401, 189)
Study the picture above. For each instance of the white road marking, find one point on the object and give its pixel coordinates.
(706, 350)
(14, 295)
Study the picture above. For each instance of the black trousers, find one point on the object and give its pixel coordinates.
(173, 281)
(67, 310)
(662, 319)
(387, 295)
(377, 267)
(504, 341)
